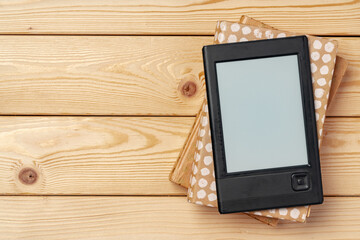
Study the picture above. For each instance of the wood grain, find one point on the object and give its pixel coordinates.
(347, 99)
(162, 218)
(98, 155)
(133, 155)
(140, 76)
(340, 156)
(78, 75)
(332, 17)
(47, 75)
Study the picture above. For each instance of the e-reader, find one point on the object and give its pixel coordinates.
(263, 125)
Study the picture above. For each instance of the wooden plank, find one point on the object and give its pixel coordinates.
(98, 155)
(332, 17)
(110, 75)
(77, 75)
(162, 218)
(132, 155)
(347, 100)
(340, 156)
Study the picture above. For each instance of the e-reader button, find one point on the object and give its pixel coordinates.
(300, 181)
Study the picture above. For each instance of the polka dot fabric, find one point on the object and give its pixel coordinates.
(202, 188)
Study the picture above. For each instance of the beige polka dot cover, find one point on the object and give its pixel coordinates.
(202, 188)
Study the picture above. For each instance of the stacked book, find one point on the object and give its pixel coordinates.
(194, 168)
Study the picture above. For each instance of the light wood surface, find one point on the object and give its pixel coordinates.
(162, 218)
(100, 75)
(134, 155)
(96, 155)
(331, 17)
(98, 97)
(108, 75)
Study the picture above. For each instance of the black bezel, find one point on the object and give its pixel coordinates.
(250, 190)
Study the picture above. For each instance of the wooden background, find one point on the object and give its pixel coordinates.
(95, 107)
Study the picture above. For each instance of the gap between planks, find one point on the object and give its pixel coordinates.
(157, 116)
(79, 115)
(151, 35)
(133, 195)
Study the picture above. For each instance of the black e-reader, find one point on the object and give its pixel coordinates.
(263, 124)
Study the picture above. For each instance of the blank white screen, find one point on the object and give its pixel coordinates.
(262, 116)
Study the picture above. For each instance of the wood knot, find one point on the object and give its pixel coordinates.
(28, 176)
(189, 89)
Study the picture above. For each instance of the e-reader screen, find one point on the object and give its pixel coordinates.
(262, 113)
